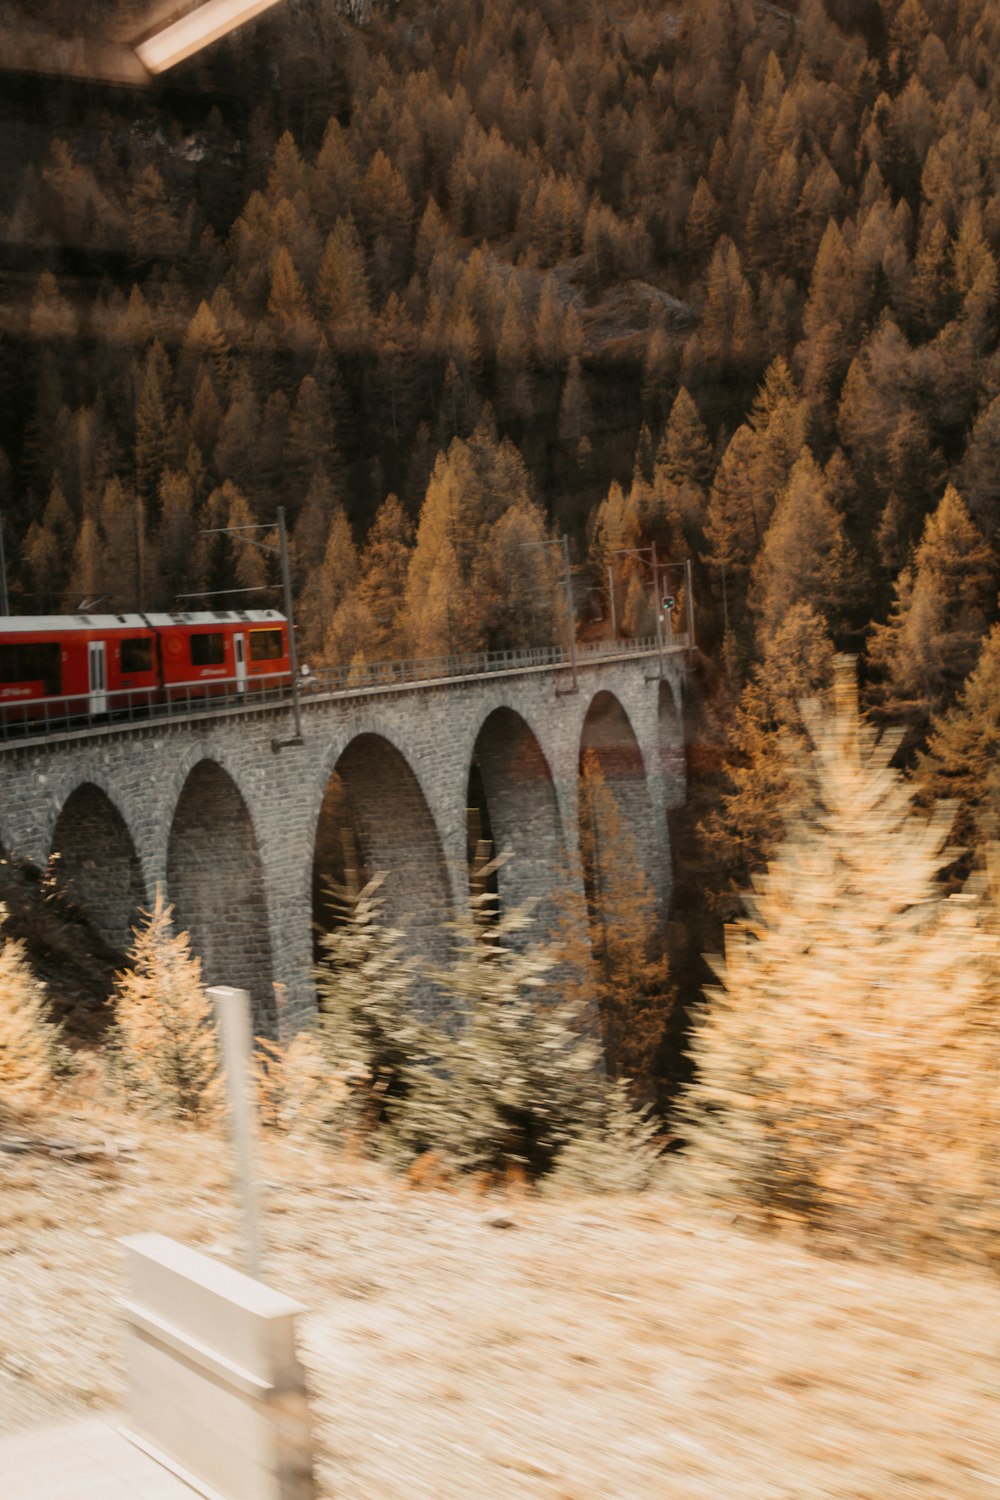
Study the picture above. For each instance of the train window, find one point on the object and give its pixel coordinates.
(208, 650)
(36, 661)
(137, 654)
(266, 645)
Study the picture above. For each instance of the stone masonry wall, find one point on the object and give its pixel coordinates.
(234, 845)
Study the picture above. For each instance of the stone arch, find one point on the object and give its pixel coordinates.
(215, 882)
(97, 863)
(607, 732)
(375, 820)
(512, 796)
(671, 743)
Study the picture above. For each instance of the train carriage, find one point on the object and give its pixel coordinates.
(221, 652)
(68, 667)
(71, 666)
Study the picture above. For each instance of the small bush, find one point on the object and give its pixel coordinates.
(297, 1091)
(163, 1049)
(505, 1083)
(369, 1027)
(31, 1051)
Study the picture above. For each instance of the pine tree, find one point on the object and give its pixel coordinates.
(163, 1050)
(88, 572)
(978, 478)
(51, 318)
(153, 446)
(619, 973)
(438, 615)
(288, 304)
(381, 587)
(938, 617)
(962, 760)
(732, 525)
(342, 294)
(176, 537)
(847, 1062)
(703, 220)
(31, 1051)
(515, 583)
(763, 786)
(329, 586)
(549, 325)
(685, 452)
(576, 419)
(805, 557)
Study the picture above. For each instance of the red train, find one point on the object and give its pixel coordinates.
(69, 666)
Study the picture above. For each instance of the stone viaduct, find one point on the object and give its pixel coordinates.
(243, 839)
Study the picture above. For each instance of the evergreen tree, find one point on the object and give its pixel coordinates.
(939, 614)
(847, 1062)
(163, 1051)
(804, 557)
(438, 615)
(342, 294)
(763, 785)
(382, 584)
(328, 587)
(732, 525)
(31, 1051)
(288, 304)
(617, 970)
(962, 760)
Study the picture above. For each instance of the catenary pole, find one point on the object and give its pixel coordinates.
(286, 585)
(570, 619)
(4, 599)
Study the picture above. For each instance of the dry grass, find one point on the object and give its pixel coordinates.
(628, 1347)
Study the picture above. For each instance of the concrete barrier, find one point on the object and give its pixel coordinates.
(217, 1392)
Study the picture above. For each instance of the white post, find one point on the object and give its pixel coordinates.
(236, 1035)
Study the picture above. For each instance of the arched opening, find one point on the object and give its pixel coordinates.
(216, 885)
(375, 820)
(96, 864)
(512, 803)
(609, 737)
(671, 743)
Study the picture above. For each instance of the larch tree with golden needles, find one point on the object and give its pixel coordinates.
(962, 760)
(31, 1051)
(163, 1048)
(935, 627)
(848, 1063)
(763, 786)
(612, 955)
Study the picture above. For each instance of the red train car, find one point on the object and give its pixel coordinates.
(59, 667)
(75, 665)
(225, 651)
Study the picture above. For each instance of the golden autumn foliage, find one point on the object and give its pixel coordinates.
(30, 1048)
(297, 1090)
(163, 1051)
(610, 954)
(848, 1063)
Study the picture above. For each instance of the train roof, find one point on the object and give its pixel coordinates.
(218, 617)
(60, 624)
(63, 624)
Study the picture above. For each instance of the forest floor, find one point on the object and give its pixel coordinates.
(609, 1347)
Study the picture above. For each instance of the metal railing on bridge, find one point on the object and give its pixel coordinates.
(57, 717)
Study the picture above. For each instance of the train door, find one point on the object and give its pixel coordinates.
(97, 677)
(239, 656)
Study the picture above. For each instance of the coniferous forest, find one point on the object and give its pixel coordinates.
(458, 287)
(446, 280)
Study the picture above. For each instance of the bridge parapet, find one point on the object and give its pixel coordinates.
(68, 718)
